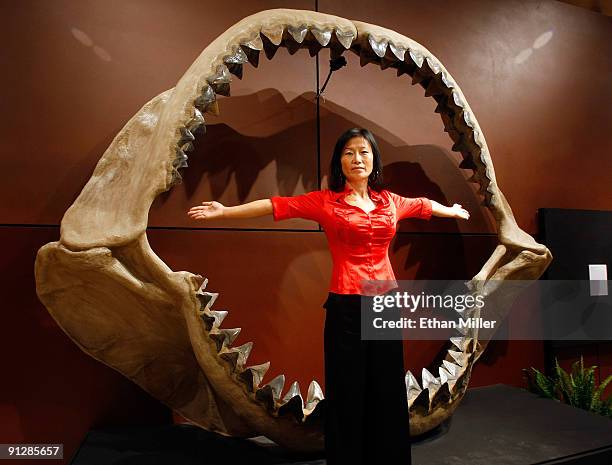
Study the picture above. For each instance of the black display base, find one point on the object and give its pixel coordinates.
(505, 425)
(494, 425)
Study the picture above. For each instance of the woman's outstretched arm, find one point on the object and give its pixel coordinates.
(456, 211)
(213, 209)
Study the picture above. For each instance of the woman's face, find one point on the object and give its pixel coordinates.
(357, 159)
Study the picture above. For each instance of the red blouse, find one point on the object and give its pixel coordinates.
(358, 241)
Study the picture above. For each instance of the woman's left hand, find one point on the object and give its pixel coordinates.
(460, 212)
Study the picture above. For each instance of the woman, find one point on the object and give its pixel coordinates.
(367, 412)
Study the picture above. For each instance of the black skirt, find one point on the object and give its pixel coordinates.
(366, 419)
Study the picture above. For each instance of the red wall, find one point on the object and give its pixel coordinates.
(76, 71)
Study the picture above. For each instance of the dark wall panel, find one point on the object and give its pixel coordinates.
(51, 391)
(536, 75)
(87, 67)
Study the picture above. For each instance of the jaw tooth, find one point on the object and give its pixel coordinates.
(269, 47)
(205, 281)
(176, 177)
(186, 136)
(207, 100)
(398, 51)
(270, 392)
(447, 80)
(230, 334)
(213, 318)
(478, 138)
(323, 37)
(412, 385)
(252, 53)
(224, 337)
(417, 57)
(293, 403)
(208, 94)
(188, 147)
(451, 368)
(220, 81)
(273, 34)
(253, 375)
(294, 37)
(298, 33)
(236, 70)
(467, 116)
(277, 385)
(444, 375)
(411, 381)
(206, 298)
(429, 380)
(442, 396)
(234, 62)
(218, 315)
(462, 343)
(180, 161)
(213, 108)
(315, 395)
(293, 391)
(379, 47)
(222, 76)
(457, 99)
(447, 376)
(420, 403)
(238, 57)
(458, 342)
(254, 44)
(345, 38)
(197, 124)
(237, 356)
(459, 357)
(244, 351)
(435, 67)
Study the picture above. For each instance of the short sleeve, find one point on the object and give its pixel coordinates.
(407, 207)
(308, 206)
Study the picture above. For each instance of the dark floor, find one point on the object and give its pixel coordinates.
(494, 425)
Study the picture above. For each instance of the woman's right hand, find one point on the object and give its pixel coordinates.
(206, 211)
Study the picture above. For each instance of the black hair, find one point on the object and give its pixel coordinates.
(337, 178)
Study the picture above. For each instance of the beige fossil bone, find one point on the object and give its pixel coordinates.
(122, 305)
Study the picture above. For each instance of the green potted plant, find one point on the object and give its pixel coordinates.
(577, 388)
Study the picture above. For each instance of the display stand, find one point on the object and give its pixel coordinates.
(494, 425)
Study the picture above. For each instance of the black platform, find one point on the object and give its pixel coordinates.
(494, 425)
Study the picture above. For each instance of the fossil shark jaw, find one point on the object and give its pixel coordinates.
(103, 238)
